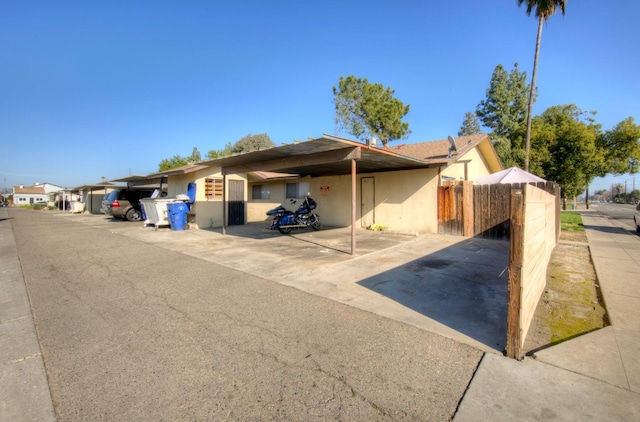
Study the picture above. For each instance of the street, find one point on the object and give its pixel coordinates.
(620, 214)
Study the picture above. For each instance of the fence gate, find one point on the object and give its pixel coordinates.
(236, 202)
(450, 216)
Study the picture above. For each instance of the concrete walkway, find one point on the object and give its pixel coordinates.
(592, 377)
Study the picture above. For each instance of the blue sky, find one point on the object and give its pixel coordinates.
(110, 88)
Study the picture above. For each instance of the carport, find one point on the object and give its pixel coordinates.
(324, 156)
(89, 190)
(139, 181)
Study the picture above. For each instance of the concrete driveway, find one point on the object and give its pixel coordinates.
(452, 286)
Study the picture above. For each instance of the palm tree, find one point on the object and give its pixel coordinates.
(544, 9)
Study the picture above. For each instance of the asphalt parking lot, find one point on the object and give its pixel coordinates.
(448, 285)
(130, 329)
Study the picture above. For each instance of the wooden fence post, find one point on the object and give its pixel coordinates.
(468, 229)
(514, 331)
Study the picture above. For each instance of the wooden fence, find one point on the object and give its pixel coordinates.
(527, 214)
(534, 235)
(470, 210)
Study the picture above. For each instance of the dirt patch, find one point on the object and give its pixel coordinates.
(571, 304)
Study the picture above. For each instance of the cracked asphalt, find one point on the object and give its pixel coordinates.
(132, 331)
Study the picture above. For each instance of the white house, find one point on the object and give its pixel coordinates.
(38, 192)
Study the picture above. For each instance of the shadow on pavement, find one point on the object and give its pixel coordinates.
(464, 286)
(607, 229)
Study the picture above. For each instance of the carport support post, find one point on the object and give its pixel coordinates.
(224, 203)
(353, 206)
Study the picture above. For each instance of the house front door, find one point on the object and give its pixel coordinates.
(367, 203)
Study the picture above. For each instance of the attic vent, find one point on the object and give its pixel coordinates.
(372, 142)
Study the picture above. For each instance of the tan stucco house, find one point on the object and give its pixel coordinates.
(393, 186)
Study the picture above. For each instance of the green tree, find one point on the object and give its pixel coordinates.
(219, 153)
(195, 156)
(470, 125)
(504, 108)
(565, 138)
(544, 9)
(171, 163)
(368, 110)
(179, 161)
(509, 156)
(252, 143)
(246, 144)
(622, 147)
(504, 112)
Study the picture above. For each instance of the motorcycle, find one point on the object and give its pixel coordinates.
(285, 221)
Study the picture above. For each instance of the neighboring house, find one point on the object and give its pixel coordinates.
(39, 192)
(28, 195)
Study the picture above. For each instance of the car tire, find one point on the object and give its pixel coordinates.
(133, 215)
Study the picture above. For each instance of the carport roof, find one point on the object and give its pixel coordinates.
(327, 155)
(138, 180)
(188, 168)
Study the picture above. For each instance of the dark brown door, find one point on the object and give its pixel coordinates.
(236, 202)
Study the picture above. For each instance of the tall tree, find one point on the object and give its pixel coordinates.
(179, 161)
(565, 136)
(195, 156)
(622, 147)
(544, 9)
(470, 125)
(219, 153)
(504, 112)
(252, 143)
(368, 110)
(504, 108)
(246, 144)
(171, 163)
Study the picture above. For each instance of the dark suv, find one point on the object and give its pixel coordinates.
(125, 203)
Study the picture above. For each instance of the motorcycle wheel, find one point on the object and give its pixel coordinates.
(315, 222)
(285, 230)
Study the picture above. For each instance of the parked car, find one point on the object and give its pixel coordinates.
(125, 203)
(636, 218)
(4, 204)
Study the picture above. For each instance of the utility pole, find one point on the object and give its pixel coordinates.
(625, 191)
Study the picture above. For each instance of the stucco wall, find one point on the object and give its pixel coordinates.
(475, 163)
(205, 212)
(404, 200)
(257, 208)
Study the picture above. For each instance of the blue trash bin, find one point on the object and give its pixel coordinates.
(178, 215)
